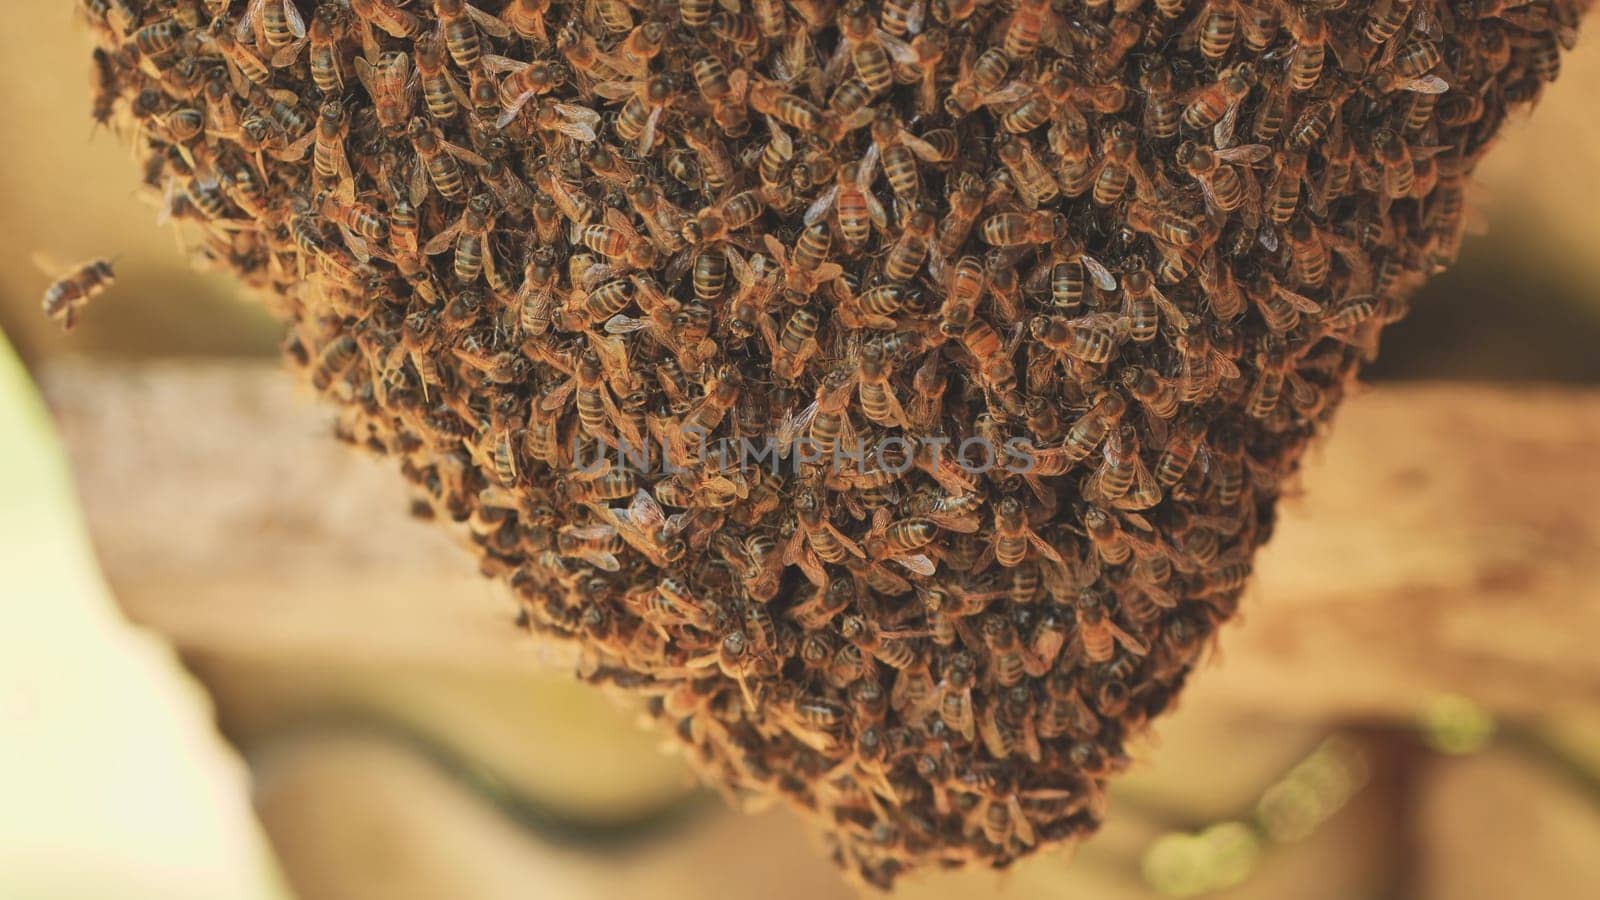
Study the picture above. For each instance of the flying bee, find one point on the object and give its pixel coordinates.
(66, 297)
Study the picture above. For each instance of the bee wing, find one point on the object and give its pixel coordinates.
(463, 154)
(250, 23)
(845, 542)
(924, 150)
(596, 532)
(646, 513)
(780, 138)
(291, 14)
(1299, 301)
(820, 206)
(919, 564)
(1128, 641)
(648, 138)
(491, 24)
(442, 241)
(513, 109)
(1103, 279)
(48, 264)
(1224, 365)
(1222, 133)
(558, 397)
(1427, 84)
(616, 90)
(914, 17)
(285, 57)
(1245, 153)
(1014, 92)
(899, 50)
(502, 64)
(1169, 309)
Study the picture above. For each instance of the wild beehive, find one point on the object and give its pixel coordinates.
(894, 393)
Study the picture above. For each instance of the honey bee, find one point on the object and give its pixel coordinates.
(66, 297)
(1028, 25)
(1092, 339)
(1119, 167)
(387, 16)
(527, 18)
(955, 694)
(641, 112)
(1226, 186)
(459, 24)
(1034, 182)
(470, 239)
(1014, 537)
(1017, 229)
(981, 82)
(858, 209)
(390, 84)
(769, 99)
(1098, 633)
(1163, 112)
(438, 159)
(1215, 106)
(1122, 478)
(1219, 24)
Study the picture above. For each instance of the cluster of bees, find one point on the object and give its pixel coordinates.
(1152, 238)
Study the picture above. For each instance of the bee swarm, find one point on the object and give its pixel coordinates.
(1147, 242)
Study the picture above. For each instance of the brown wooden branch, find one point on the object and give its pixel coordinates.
(1448, 539)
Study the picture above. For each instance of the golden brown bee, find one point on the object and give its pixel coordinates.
(1219, 25)
(1310, 33)
(389, 84)
(1034, 182)
(1384, 18)
(1098, 633)
(1119, 166)
(1092, 339)
(1014, 538)
(439, 160)
(469, 238)
(906, 254)
(1026, 29)
(1163, 112)
(65, 298)
(1016, 229)
(1163, 225)
(387, 16)
(1225, 186)
(1215, 106)
(459, 24)
(769, 99)
(955, 694)
(641, 112)
(858, 209)
(979, 83)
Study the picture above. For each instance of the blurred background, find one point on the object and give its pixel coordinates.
(370, 745)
